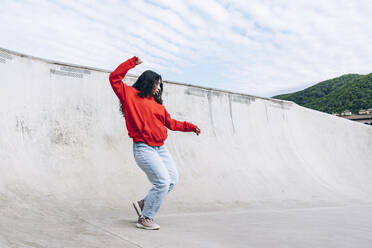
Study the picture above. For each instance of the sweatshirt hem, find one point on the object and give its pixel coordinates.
(150, 143)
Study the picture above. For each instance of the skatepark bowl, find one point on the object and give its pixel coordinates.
(263, 172)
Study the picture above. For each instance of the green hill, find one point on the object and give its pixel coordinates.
(350, 91)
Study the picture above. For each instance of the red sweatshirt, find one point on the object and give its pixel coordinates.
(146, 120)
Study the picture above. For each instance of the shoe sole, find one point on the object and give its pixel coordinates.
(138, 225)
(137, 208)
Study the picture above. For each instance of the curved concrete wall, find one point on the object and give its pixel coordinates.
(63, 140)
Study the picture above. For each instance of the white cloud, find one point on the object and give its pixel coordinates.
(256, 47)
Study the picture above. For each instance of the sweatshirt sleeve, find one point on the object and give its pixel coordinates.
(175, 125)
(117, 76)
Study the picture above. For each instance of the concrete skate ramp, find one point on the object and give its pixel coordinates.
(67, 172)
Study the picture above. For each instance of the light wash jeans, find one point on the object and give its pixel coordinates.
(160, 169)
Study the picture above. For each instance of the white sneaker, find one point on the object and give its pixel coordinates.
(147, 223)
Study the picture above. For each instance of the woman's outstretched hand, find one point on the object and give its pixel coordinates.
(197, 131)
(138, 61)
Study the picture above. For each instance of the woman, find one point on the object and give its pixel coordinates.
(147, 121)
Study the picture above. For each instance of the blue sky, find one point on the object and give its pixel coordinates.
(260, 48)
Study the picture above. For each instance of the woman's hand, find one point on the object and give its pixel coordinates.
(138, 61)
(197, 131)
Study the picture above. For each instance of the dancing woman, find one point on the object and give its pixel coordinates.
(147, 121)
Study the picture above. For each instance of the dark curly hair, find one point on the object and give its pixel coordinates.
(145, 84)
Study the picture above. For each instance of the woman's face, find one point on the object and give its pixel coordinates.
(156, 88)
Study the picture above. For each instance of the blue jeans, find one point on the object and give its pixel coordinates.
(160, 169)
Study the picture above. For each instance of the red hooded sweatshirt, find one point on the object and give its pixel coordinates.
(146, 120)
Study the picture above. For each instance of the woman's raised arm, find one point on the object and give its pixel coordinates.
(119, 73)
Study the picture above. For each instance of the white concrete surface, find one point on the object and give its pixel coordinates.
(67, 173)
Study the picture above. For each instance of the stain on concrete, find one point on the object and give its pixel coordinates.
(86, 110)
(65, 73)
(280, 104)
(59, 134)
(195, 91)
(209, 96)
(5, 56)
(70, 71)
(243, 99)
(74, 69)
(22, 127)
(216, 93)
(231, 114)
(62, 131)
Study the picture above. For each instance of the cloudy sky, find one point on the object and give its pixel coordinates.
(257, 47)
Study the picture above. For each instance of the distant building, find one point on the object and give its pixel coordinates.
(363, 112)
(364, 116)
(346, 113)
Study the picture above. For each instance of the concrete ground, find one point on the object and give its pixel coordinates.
(263, 172)
(319, 227)
(340, 226)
